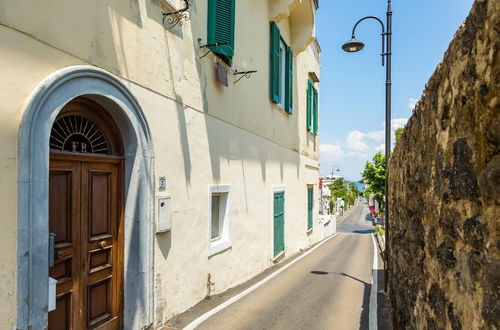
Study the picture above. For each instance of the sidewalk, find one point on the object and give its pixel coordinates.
(384, 309)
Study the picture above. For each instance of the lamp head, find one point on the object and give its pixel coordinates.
(353, 46)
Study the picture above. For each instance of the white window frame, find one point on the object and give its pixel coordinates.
(223, 241)
(282, 75)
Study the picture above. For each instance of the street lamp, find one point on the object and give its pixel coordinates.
(338, 169)
(354, 45)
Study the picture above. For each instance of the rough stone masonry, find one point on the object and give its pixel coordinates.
(444, 177)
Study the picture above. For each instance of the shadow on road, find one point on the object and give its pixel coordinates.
(365, 231)
(364, 321)
(383, 308)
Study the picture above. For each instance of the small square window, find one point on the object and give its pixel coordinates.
(219, 218)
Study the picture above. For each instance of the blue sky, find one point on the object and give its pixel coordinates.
(352, 98)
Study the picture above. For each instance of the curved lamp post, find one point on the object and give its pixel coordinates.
(354, 45)
(333, 167)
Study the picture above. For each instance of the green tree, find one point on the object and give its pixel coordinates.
(368, 192)
(398, 132)
(348, 191)
(374, 176)
(339, 189)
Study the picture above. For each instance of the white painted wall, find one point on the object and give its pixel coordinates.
(203, 134)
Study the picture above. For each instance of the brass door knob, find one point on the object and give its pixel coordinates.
(103, 244)
(59, 254)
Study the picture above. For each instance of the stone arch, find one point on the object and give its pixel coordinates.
(45, 103)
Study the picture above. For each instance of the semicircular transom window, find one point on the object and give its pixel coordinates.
(78, 134)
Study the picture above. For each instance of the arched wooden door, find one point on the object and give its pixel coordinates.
(86, 215)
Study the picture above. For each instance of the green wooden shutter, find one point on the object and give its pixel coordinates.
(279, 223)
(282, 222)
(289, 81)
(221, 27)
(315, 111)
(276, 234)
(309, 105)
(274, 76)
(309, 208)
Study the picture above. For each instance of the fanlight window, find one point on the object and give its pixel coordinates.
(77, 134)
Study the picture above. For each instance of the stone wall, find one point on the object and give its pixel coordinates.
(444, 259)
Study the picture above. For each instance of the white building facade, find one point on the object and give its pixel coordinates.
(154, 169)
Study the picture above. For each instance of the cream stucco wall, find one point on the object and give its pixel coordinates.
(203, 134)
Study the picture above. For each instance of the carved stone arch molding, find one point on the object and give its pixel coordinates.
(33, 171)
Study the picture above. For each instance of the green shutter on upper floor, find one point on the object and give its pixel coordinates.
(309, 105)
(221, 17)
(274, 76)
(289, 81)
(315, 111)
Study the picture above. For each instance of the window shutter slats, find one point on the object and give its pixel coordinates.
(309, 208)
(309, 105)
(275, 63)
(289, 81)
(315, 111)
(221, 16)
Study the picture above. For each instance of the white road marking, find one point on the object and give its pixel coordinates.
(234, 299)
(372, 316)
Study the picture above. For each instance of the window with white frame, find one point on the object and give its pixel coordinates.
(219, 216)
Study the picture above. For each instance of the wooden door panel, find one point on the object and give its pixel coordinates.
(100, 204)
(100, 225)
(60, 204)
(64, 210)
(100, 301)
(85, 213)
(61, 320)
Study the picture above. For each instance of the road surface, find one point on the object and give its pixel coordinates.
(327, 289)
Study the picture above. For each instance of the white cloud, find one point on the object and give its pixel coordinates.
(331, 152)
(376, 135)
(412, 103)
(354, 141)
(358, 147)
(398, 123)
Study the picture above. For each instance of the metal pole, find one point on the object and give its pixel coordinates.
(388, 123)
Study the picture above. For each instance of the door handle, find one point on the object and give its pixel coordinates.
(59, 254)
(103, 244)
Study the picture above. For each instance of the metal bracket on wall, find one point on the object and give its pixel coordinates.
(207, 46)
(244, 74)
(177, 17)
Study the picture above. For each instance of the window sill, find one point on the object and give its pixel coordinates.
(309, 231)
(218, 246)
(311, 132)
(279, 256)
(281, 108)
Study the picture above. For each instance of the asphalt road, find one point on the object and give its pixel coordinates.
(327, 289)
